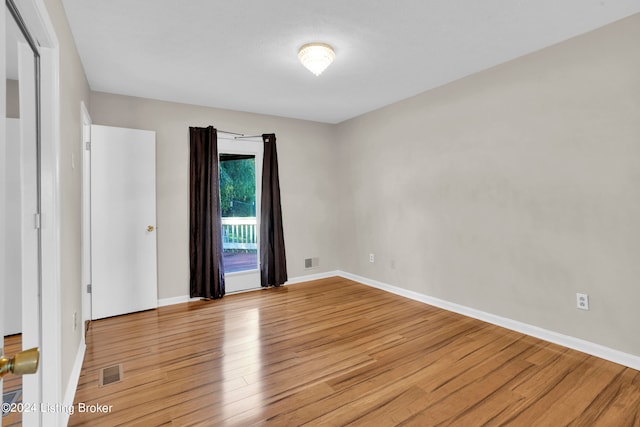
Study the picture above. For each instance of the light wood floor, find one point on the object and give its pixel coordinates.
(333, 352)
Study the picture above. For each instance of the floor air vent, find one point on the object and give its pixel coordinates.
(110, 375)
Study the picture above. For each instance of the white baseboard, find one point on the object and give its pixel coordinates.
(72, 386)
(310, 277)
(292, 281)
(578, 344)
(173, 300)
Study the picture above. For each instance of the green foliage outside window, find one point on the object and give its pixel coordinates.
(237, 187)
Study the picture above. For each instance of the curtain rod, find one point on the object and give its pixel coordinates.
(239, 135)
(247, 136)
(230, 133)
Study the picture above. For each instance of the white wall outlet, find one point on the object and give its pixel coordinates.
(372, 258)
(75, 320)
(582, 301)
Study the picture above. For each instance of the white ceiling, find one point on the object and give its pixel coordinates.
(241, 54)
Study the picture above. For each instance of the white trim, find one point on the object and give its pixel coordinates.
(85, 297)
(163, 302)
(72, 386)
(578, 344)
(244, 291)
(36, 16)
(30, 246)
(3, 154)
(51, 261)
(246, 280)
(310, 277)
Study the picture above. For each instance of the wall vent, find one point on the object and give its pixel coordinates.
(310, 263)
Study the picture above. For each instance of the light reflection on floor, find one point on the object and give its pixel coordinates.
(242, 351)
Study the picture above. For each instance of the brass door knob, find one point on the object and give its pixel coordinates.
(150, 228)
(25, 362)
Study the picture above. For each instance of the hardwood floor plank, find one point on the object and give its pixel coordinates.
(476, 402)
(567, 392)
(335, 352)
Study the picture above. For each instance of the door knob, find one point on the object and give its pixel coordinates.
(25, 362)
(150, 228)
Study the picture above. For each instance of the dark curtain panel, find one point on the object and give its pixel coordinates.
(273, 262)
(205, 243)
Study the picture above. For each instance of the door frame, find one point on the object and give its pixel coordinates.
(85, 296)
(3, 139)
(37, 20)
(30, 234)
(241, 281)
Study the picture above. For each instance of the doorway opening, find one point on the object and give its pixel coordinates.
(238, 206)
(240, 168)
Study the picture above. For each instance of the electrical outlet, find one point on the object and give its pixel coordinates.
(372, 258)
(75, 320)
(582, 301)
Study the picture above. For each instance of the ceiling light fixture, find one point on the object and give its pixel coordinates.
(316, 57)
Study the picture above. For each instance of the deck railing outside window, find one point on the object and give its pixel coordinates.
(239, 233)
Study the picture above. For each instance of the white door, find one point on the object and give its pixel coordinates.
(21, 206)
(13, 233)
(241, 227)
(123, 221)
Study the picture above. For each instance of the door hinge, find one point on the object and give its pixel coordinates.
(36, 221)
(89, 288)
(87, 146)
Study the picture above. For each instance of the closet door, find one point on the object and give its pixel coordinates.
(20, 202)
(123, 221)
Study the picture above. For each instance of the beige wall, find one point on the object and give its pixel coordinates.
(510, 190)
(507, 191)
(74, 88)
(306, 155)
